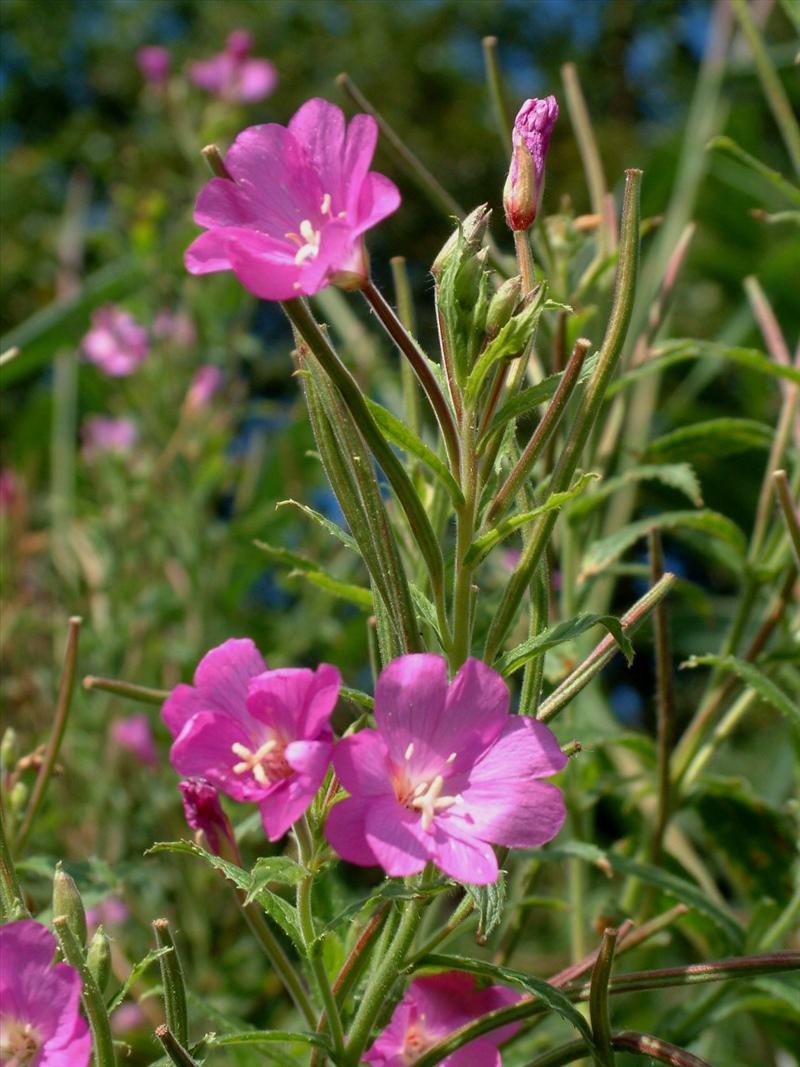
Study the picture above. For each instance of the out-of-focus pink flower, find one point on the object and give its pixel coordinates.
(293, 218)
(232, 75)
(207, 379)
(204, 812)
(116, 342)
(447, 773)
(40, 1022)
(113, 911)
(433, 1008)
(258, 735)
(175, 326)
(135, 734)
(127, 1017)
(9, 489)
(533, 128)
(103, 434)
(154, 62)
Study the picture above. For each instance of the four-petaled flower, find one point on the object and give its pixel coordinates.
(447, 773)
(258, 735)
(434, 1007)
(293, 217)
(232, 75)
(40, 1022)
(116, 342)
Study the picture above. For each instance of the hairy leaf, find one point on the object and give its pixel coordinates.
(559, 633)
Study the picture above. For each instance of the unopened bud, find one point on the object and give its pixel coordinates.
(204, 812)
(502, 305)
(98, 958)
(67, 902)
(18, 798)
(8, 750)
(466, 239)
(530, 138)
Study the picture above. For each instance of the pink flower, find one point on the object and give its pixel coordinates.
(127, 1017)
(433, 1008)
(113, 911)
(39, 1020)
(175, 326)
(447, 773)
(204, 812)
(10, 490)
(293, 217)
(103, 434)
(533, 128)
(206, 381)
(154, 61)
(257, 735)
(232, 75)
(135, 735)
(116, 343)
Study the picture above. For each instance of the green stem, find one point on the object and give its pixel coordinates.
(127, 690)
(172, 982)
(598, 998)
(418, 520)
(588, 412)
(280, 962)
(460, 915)
(385, 976)
(466, 517)
(56, 733)
(93, 1003)
(494, 83)
(790, 517)
(312, 948)
(405, 312)
(665, 699)
(12, 901)
(174, 1048)
(626, 1041)
(589, 152)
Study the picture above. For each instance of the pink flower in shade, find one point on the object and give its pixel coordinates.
(206, 381)
(433, 1008)
(232, 75)
(135, 735)
(127, 1017)
(103, 434)
(175, 326)
(116, 343)
(9, 489)
(533, 128)
(40, 1025)
(293, 217)
(204, 812)
(113, 911)
(447, 773)
(255, 734)
(154, 61)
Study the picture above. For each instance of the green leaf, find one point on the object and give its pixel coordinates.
(711, 440)
(754, 678)
(563, 631)
(609, 549)
(678, 350)
(482, 545)
(333, 528)
(355, 696)
(289, 559)
(354, 594)
(274, 869)
(261, 1037)
(136, 973)
(686, 892)
(397, 432)
(510, 342)
(490, 900)
(276, 907)
(680, 476)
(425, 610)
(537, 987)
(726, 146)
(531, 398)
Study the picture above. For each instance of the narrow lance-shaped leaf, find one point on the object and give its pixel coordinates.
(679, 476)
(711, 439)
(567, 630)
(754, 678)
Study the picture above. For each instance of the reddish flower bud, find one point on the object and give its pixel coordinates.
(204, 812)
(530, 137)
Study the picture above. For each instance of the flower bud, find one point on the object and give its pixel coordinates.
(502, 305)
(67, 902)
(530, 138)
(466, 239)
(98, 958)
(8, 750)
(204, 812)
(18, 798)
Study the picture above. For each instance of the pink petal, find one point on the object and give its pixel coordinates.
(462, 856)
(310, 759)
(359, 148)
(345, 830)
(409, 699)
(294, 700)
(204, 749)
(225, 203)
(220, 684)
(361, 762)
(501, 802)
(478, 1053)
(378, 198)
(265, 266)
(491, 999)
(319, 127)
(207, 253)
(256, 79)
(26, 941)
(284, 804)
(211, 74)
(395, 836)
(274, 172)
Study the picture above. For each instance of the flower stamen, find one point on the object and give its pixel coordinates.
(427, 798)
(264, 769)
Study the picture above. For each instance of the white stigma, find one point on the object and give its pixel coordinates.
(410, 750)
(326, 204)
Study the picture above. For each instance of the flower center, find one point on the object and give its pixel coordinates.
(267, 763)
(308, 239)
(417, 1041)
(426, 795)
(19, 1042)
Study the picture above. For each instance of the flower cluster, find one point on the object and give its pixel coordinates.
(446, 773)
(233, 75)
